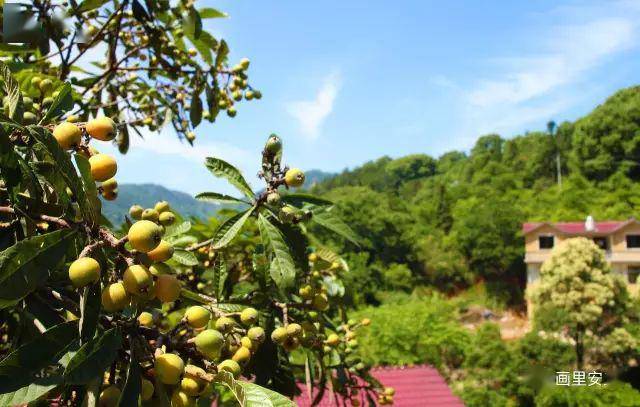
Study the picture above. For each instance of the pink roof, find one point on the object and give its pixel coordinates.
(418, 386)
(578, 228)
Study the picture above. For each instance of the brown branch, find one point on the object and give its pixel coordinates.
(52, 219)
(199, 245)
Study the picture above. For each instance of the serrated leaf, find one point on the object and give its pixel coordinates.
(223, 169)
(93, 357)
(88, 5)
(26, 265)
(182, 241)
(252, 395)
(139, 12)
(64, 168)
(178, 229)
(61, 103)
(195, 112)
(230, 228)
(209, 12)
(122, 139)
(89, 312)
(299, 199)
(222, 53)
(13, 94)
(30, 393)
(132, 386)
(330, 221)
(218, 198)
(220, 274)
(184, 257)
(282, 271)
(88, 184)
(20, 366)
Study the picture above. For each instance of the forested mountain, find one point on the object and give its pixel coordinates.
(452, 220)
(147, 195)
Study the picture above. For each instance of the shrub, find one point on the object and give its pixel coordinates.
(414, 331)
(614, 394)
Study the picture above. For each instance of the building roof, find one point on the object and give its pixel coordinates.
(578, 228)
(417, 386)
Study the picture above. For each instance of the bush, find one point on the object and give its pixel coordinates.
(414, 331)
(546, 353)
(613, 394)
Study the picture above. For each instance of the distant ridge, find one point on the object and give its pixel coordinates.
(147, 195)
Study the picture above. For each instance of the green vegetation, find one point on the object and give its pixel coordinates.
(456, 219)
(161, 312)
(148, 194)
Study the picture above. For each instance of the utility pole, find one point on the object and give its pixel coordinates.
(552, 129)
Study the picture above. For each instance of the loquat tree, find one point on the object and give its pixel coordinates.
(162, 311)
(144, 64)
(576, 282)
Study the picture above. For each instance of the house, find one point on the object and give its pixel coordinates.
(415, 386)
(620, 241)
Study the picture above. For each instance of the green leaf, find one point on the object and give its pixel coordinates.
(220, 274)
(300, 199)
(222, 53)
(230, 228)
(26, 265)
(328, 220)
(139, 12)
(178, 229)
(282, 271)
(14, 96)
(61, 103)
(223, 169)
(88, 5)
(132, 386)
(184, 257)
(10, 164)
(20, 366)
(122, 139)
(252, 395)
(64, 168)
(219, 198)
(29, 393)
(195, 112)
(93, 357)
(209, 12)
(88, 184)
(89, 312)
(182, 241)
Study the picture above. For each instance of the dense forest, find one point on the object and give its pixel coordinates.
(455, 220)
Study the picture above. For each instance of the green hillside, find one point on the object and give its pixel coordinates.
(147, 195)
(455, 219)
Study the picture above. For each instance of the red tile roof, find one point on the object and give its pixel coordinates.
(578, 228)
(418, 386)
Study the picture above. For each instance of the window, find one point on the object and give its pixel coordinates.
(633, 241)
(545, 242)
(632, 274)
(602, 242)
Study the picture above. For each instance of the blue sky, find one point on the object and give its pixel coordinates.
(345, 82)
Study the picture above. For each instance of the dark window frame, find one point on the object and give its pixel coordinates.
(602, 238)
(635, 244)
(632, 275)
(546, 238)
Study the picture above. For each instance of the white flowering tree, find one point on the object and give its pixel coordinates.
(576, 281)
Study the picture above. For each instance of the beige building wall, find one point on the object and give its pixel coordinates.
(621, 258)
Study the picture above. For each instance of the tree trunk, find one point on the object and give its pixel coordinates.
(579, 347)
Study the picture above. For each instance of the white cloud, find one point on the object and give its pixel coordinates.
(552, 74)
(576, 50)
(311, 114)
(167, 143)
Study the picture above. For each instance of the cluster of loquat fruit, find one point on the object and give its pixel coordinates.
(69, 136)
